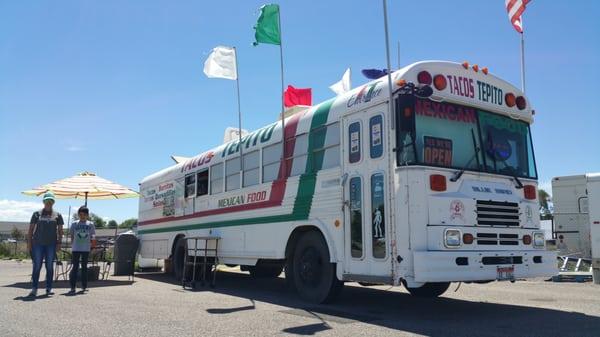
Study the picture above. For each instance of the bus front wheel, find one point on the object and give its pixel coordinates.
(265, 270)
(431, 289)
(313, 275)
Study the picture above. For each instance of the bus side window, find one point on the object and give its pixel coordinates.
(327, 155)
(300, 155)
(190, 185)
(202, 183)
(406, 150)
(216, 178)
(271, 157)
(356, 215)
(376, 136)
(354, 151)
(232, 174)
(251, 168)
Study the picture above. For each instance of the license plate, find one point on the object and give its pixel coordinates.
(505, 273)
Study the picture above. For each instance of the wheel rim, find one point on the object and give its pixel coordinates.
(310, 267)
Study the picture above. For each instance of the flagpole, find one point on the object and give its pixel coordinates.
(393, 246)
(398, 54)
(282, 91)
(389, 64)
(522, 57)
(237, 85)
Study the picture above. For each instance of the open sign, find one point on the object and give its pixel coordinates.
(437, 151)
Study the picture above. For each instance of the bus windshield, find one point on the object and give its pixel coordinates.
(465, 138)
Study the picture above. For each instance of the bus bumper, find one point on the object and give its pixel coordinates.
(449, 266)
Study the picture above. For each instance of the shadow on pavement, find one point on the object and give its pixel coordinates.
(65, 284)
(400, 311)
(310, 329)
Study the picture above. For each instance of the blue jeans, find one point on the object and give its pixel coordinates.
(39, 253)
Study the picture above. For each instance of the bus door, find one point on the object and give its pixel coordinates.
(366, 209)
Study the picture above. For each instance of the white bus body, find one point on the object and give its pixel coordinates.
(431, 195)
(576, 213)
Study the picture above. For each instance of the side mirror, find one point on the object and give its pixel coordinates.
(424, 91)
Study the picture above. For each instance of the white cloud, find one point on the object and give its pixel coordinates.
(74, 148)
(12, 210)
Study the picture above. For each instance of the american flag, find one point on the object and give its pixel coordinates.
(515, 9)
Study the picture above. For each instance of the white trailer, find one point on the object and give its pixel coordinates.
(576, 224)
(442, 190)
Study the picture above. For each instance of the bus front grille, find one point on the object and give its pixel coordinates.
(497, 213)
(497, 239)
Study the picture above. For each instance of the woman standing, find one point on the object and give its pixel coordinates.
(43, 240)
(83, 237)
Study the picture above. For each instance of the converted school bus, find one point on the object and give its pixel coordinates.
(442, 191)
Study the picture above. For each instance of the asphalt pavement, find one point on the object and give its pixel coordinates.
(155, 305)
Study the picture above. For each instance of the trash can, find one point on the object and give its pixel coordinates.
(126, 246)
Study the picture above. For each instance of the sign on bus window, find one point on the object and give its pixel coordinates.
(378, 215)
(437, 151)
(356, 214)
(354, 143)
(376, 136)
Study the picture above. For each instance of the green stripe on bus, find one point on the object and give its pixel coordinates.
(306, 186)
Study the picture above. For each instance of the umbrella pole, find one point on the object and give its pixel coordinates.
(68, 225)
(86, 193)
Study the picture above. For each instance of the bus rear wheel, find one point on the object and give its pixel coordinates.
(178, 258)
(313, 275)
(430, 290)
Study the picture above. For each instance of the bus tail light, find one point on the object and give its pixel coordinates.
(526, 239)
(530, 192)
(401, 82)
(510, 99)
(467, 238)
(424, 77)
(521, 104)
(437, 182)
(439, 82)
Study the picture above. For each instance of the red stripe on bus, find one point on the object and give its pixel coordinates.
(277, 188)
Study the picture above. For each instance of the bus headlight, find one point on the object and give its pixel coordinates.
(538, 239)
(452, 238)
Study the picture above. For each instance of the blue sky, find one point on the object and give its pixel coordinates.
(116, 87)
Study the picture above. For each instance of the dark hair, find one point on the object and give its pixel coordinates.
(83, 209)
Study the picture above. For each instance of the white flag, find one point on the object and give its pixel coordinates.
(343, 86)
(221, 63)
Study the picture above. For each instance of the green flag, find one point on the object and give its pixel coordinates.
(267, 26)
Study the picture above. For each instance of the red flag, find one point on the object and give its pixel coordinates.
(297, 96)
(515, 9)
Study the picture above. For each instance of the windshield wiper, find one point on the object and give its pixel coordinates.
(460, 172)
(519, 184)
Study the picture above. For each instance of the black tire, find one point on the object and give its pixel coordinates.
(289, 273)
(178, 258)
(262, 271)
(430, 290)
(314, 275)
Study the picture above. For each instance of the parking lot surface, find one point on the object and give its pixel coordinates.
(155, 305)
